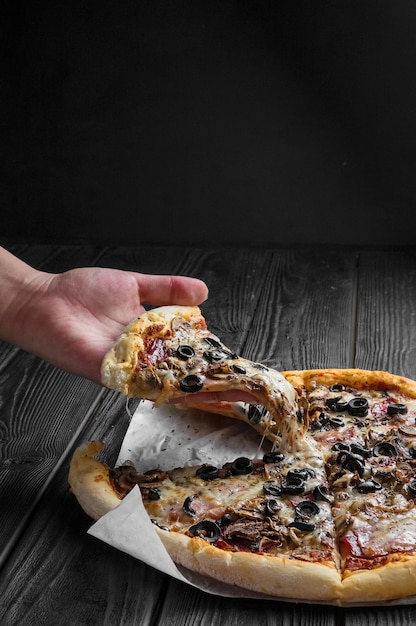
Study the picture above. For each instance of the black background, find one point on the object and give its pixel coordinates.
(202, 122)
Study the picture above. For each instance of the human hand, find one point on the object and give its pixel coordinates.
(72, 319)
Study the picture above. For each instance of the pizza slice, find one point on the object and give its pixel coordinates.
(169, 355)
(262, 524)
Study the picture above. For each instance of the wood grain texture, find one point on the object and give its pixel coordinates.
(386, 312)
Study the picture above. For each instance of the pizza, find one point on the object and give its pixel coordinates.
(169, 355)
(327, 515)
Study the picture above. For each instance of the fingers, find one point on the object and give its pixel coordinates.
(164, 290)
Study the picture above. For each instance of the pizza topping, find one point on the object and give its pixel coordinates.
(396, 407)
(358, 406)
(206, 529)
(368, 486)
(385, 448)
(192, 383)
(185, 352)
(241, 465)
(207, 472)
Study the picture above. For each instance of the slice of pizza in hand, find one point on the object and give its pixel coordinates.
(168, 355)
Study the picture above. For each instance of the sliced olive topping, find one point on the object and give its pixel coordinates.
(214, 343)
(271, 506)
(206, 529)
(340, 445)
(331, 402)
(320, 492)
(185, 352)
(153, 493)
(412, 487)
(385, 448)
(158, 524)
(207, 472)
(273, 457)
(412, 452)
(187, 506)
(239, 369)
(298, 472)
(272, 489)
(368, 486)
(306, 508)
(306, 527)
(241, 465)
(358, 406)
(360, 450)
(396, 407)
(225, 520)
(256, 412)
(351, 462)
(213, 356)
(192, 383)
(336, 422)
(294, 486)
(337, 387)
(341, 405)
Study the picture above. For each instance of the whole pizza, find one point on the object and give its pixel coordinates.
(327, 514)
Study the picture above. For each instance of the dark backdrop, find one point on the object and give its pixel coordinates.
(200, 122)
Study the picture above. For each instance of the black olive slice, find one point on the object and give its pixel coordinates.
(187, 506)
(306, 508)
(212, 356)
(320, 492)
(337, 387)
(396, 407)
(207, 472)
(412, 487)
(153, 493)
(340, 445)
(412, 452)
(242, 465)
(352, 462)
(192, 383)
(225, 520)
(271, 506)
(185, 352)
(293, 487)
(214, 343)
(158, 524)
(360, 450)
(368, 486)
(239, 369)
(272, 489)
(330, 402)
(297, 472)
(256, 412)
(336, 422)
(358, 406)
(385, 448)
(273, 457)
(206, 529)
(306, 527)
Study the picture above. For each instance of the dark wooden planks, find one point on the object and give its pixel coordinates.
(386, 311)
(67, 576)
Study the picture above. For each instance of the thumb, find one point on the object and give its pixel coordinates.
(164, 290)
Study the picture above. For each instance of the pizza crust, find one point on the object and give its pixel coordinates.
(353, 377)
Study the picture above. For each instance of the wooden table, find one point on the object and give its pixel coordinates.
(289, 308)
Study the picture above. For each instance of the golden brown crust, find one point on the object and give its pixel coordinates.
(353, 377)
